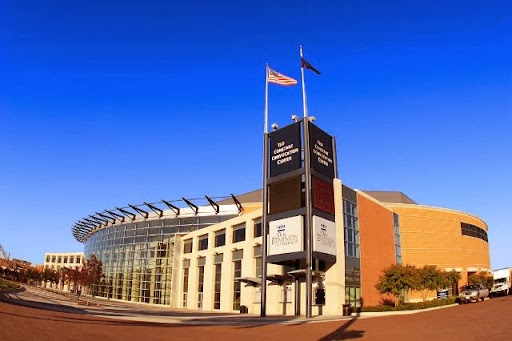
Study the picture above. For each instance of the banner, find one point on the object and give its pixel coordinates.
(320, 145)
(286, 235)
(285, 150)
(324, 236)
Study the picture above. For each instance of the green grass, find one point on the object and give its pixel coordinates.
(5, 284)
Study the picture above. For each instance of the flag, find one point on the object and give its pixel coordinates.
(304, 63)
(278, 78)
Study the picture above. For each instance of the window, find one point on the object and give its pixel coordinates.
(59, 260)
(78, 259)
(351, 229)
(54, 259)
(237, 264)
(185, 286)
(220, 238)
(238, 233)
(187, 246)
(353, 296)
(398, 244)
(217, 281)
(257, 260)
(65, 259)
(203, 242)
(257, 229)
(200, 285)
(237, 272)
(47, 259)
(473, 231)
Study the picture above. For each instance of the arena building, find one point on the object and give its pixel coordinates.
(206, 253)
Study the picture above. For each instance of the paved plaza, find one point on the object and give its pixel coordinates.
(36, 314)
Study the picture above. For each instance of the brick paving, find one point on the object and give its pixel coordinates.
(38, 315)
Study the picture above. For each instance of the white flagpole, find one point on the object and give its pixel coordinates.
(304, 100)
(265, 128)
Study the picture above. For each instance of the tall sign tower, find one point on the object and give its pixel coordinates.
(298, 205)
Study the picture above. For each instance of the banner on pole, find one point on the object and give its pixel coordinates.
(320, 145)
(286, 235)
(324, 236)
(285, 150)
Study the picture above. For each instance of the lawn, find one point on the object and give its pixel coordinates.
(5, 284)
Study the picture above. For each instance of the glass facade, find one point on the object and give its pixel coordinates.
(351, 229)
(398, 243)
(137, 257)
(352, 253)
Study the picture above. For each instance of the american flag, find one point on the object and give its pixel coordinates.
(278, 78)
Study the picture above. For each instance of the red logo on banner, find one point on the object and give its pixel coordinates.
(323, 196)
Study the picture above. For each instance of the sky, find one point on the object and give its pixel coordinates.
(109, 103)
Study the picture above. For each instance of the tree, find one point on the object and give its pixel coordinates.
(92, 272)
(429, 279)
(397, 280)
(482, 278)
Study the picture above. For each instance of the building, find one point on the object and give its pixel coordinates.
(62, 260)
(208, 256)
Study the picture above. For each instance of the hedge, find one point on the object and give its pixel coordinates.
(413, 306)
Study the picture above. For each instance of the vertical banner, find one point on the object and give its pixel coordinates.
(320, 146)
(324, 236)
(286, 235)
(285, 147)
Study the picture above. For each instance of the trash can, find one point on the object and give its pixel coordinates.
(244, 309)
(347, 310)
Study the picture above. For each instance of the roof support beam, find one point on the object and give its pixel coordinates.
(191, 205)
(115, 215)
(93, 222)
(238, 204)
(213, 203)
(155, 209)
(100, 221)
(106, 217)
(126, 213)
(143, 213)
(174, 208)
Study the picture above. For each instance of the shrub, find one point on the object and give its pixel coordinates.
(412, 306)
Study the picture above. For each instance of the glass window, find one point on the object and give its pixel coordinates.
(257, 229)
(185, 286)
(217, 286)
(237, 265)
(398, 245)
(238, 233)
(65, 259)
(187, 246)
(473, 231)
(47, 259)
(220, 238)
(203, 242)
(351, 229)
(353, 296)
(200, 286)
(257, 261)
(59, 260)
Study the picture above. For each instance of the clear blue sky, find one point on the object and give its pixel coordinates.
(108, 103)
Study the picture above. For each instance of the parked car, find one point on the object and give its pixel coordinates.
(474, 292)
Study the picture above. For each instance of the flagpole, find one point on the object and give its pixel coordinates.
(304, 100)
(265, 128)
(263, 304)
